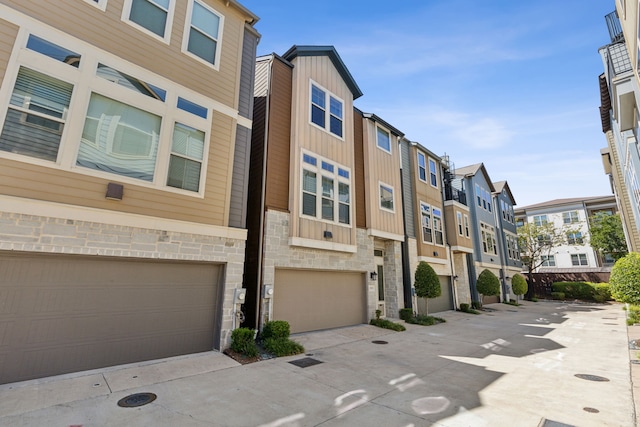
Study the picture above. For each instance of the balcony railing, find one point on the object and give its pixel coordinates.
(451, 193)
(614, 27)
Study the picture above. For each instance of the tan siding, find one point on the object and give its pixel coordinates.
(382, 167)
(8, 33)
(307, 136)
(279, 127)
(81, 20)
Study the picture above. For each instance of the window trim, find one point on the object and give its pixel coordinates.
(467, 231)
(459, 223)
(579, 257)
(187, 28)
(422, 168)
(337, 178)
(548, 259)
(433, 175)
(422, 204)
(100, 4)
(166, 39)
(393, 197)
(85, 77)
(327, 110)
(381, 129)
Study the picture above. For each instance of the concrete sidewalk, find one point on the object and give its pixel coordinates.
(509, 366)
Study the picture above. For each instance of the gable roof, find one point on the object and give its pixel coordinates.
(330, 52)
(568, 201)
(377, 119)
(502, 185)
(472, 170)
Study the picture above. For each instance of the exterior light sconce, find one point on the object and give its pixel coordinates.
(114, 191)
(508, 277)
(491, 259)
(455, 277)
(435, 253)
(373, 275)
(327, 234)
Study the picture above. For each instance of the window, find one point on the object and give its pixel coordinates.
(579, 259)
(437, 226)
(478, 196)
(123, 125)
(512, 247)
(575, 238)
(386, 197)
(36, 116)
(570, 217)
(503, 209)
(484, 198)
(422, 167)
(319, 114)
(202, 33)
(548, 260)
(325, 194)
(459, 222)
(432, 173)
(425, 216)
(520, 222)
(540, 220)
(151, 16)
(383, 140)
(488, 239)
(466, 226)
(101, 4)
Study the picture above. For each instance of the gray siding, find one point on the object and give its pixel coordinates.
(407, 189)
(245, 100)
(478, 215)
(240, 178)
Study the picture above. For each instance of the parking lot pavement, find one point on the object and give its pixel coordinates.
(540, 364)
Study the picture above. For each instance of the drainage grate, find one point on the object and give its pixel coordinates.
(591, 410)
(135, 400)
(305, 362)
(635, 362)
(614, 324)
(379, 342)
(549, 423)
(591, 377)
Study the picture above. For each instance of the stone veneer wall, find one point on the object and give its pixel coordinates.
(278, 254)
(462, 282)
(30, 233)
(393, 291)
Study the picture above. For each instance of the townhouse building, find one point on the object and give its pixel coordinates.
(571, 217)
(479, 189)
(508, 250)
(619, 98)
(325, 225)
(125, 131)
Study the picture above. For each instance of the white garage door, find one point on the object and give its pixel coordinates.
(313, 300)
(61, 314)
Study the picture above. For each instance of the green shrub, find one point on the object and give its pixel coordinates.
(602, 292)
(558, 295)
(534, 299)
(427, 283)
(575, 290)
(387, 324)
(276, 329)
(426, 320)
(406, 314)
(282, 346)
(242, 342)
(625, 279)
(488, 283)
(476, 305)
(519, 284)
(464, 307)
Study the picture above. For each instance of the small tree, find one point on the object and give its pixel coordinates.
(427, 283)
(519, 284)
(607, 235)
(536, 241)
(625, 279)
(488, 283)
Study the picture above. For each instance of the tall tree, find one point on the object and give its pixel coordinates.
(607, 235)
(536, 241)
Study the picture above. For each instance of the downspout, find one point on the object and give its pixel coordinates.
(406, 265)
(263, 212)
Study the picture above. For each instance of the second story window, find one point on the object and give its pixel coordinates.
(325, 190)
(575, 238)
(570, 217)
(548, 260)
(466, 226)
(437, 226)
(422, 167)
(540, 220)
(433, 175)
(488, 239)
(153, 16)
(202, 33)
(459, 222)
(425, 219)
(386, 197)
(330, 120)
(579, 259)
(383, 140)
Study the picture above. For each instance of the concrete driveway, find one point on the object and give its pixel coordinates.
(534, 365)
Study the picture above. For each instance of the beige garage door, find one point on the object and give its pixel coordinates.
(443, 303)
(61, 314)
(313, 300)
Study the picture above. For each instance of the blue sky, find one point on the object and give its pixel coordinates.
(512, 84)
